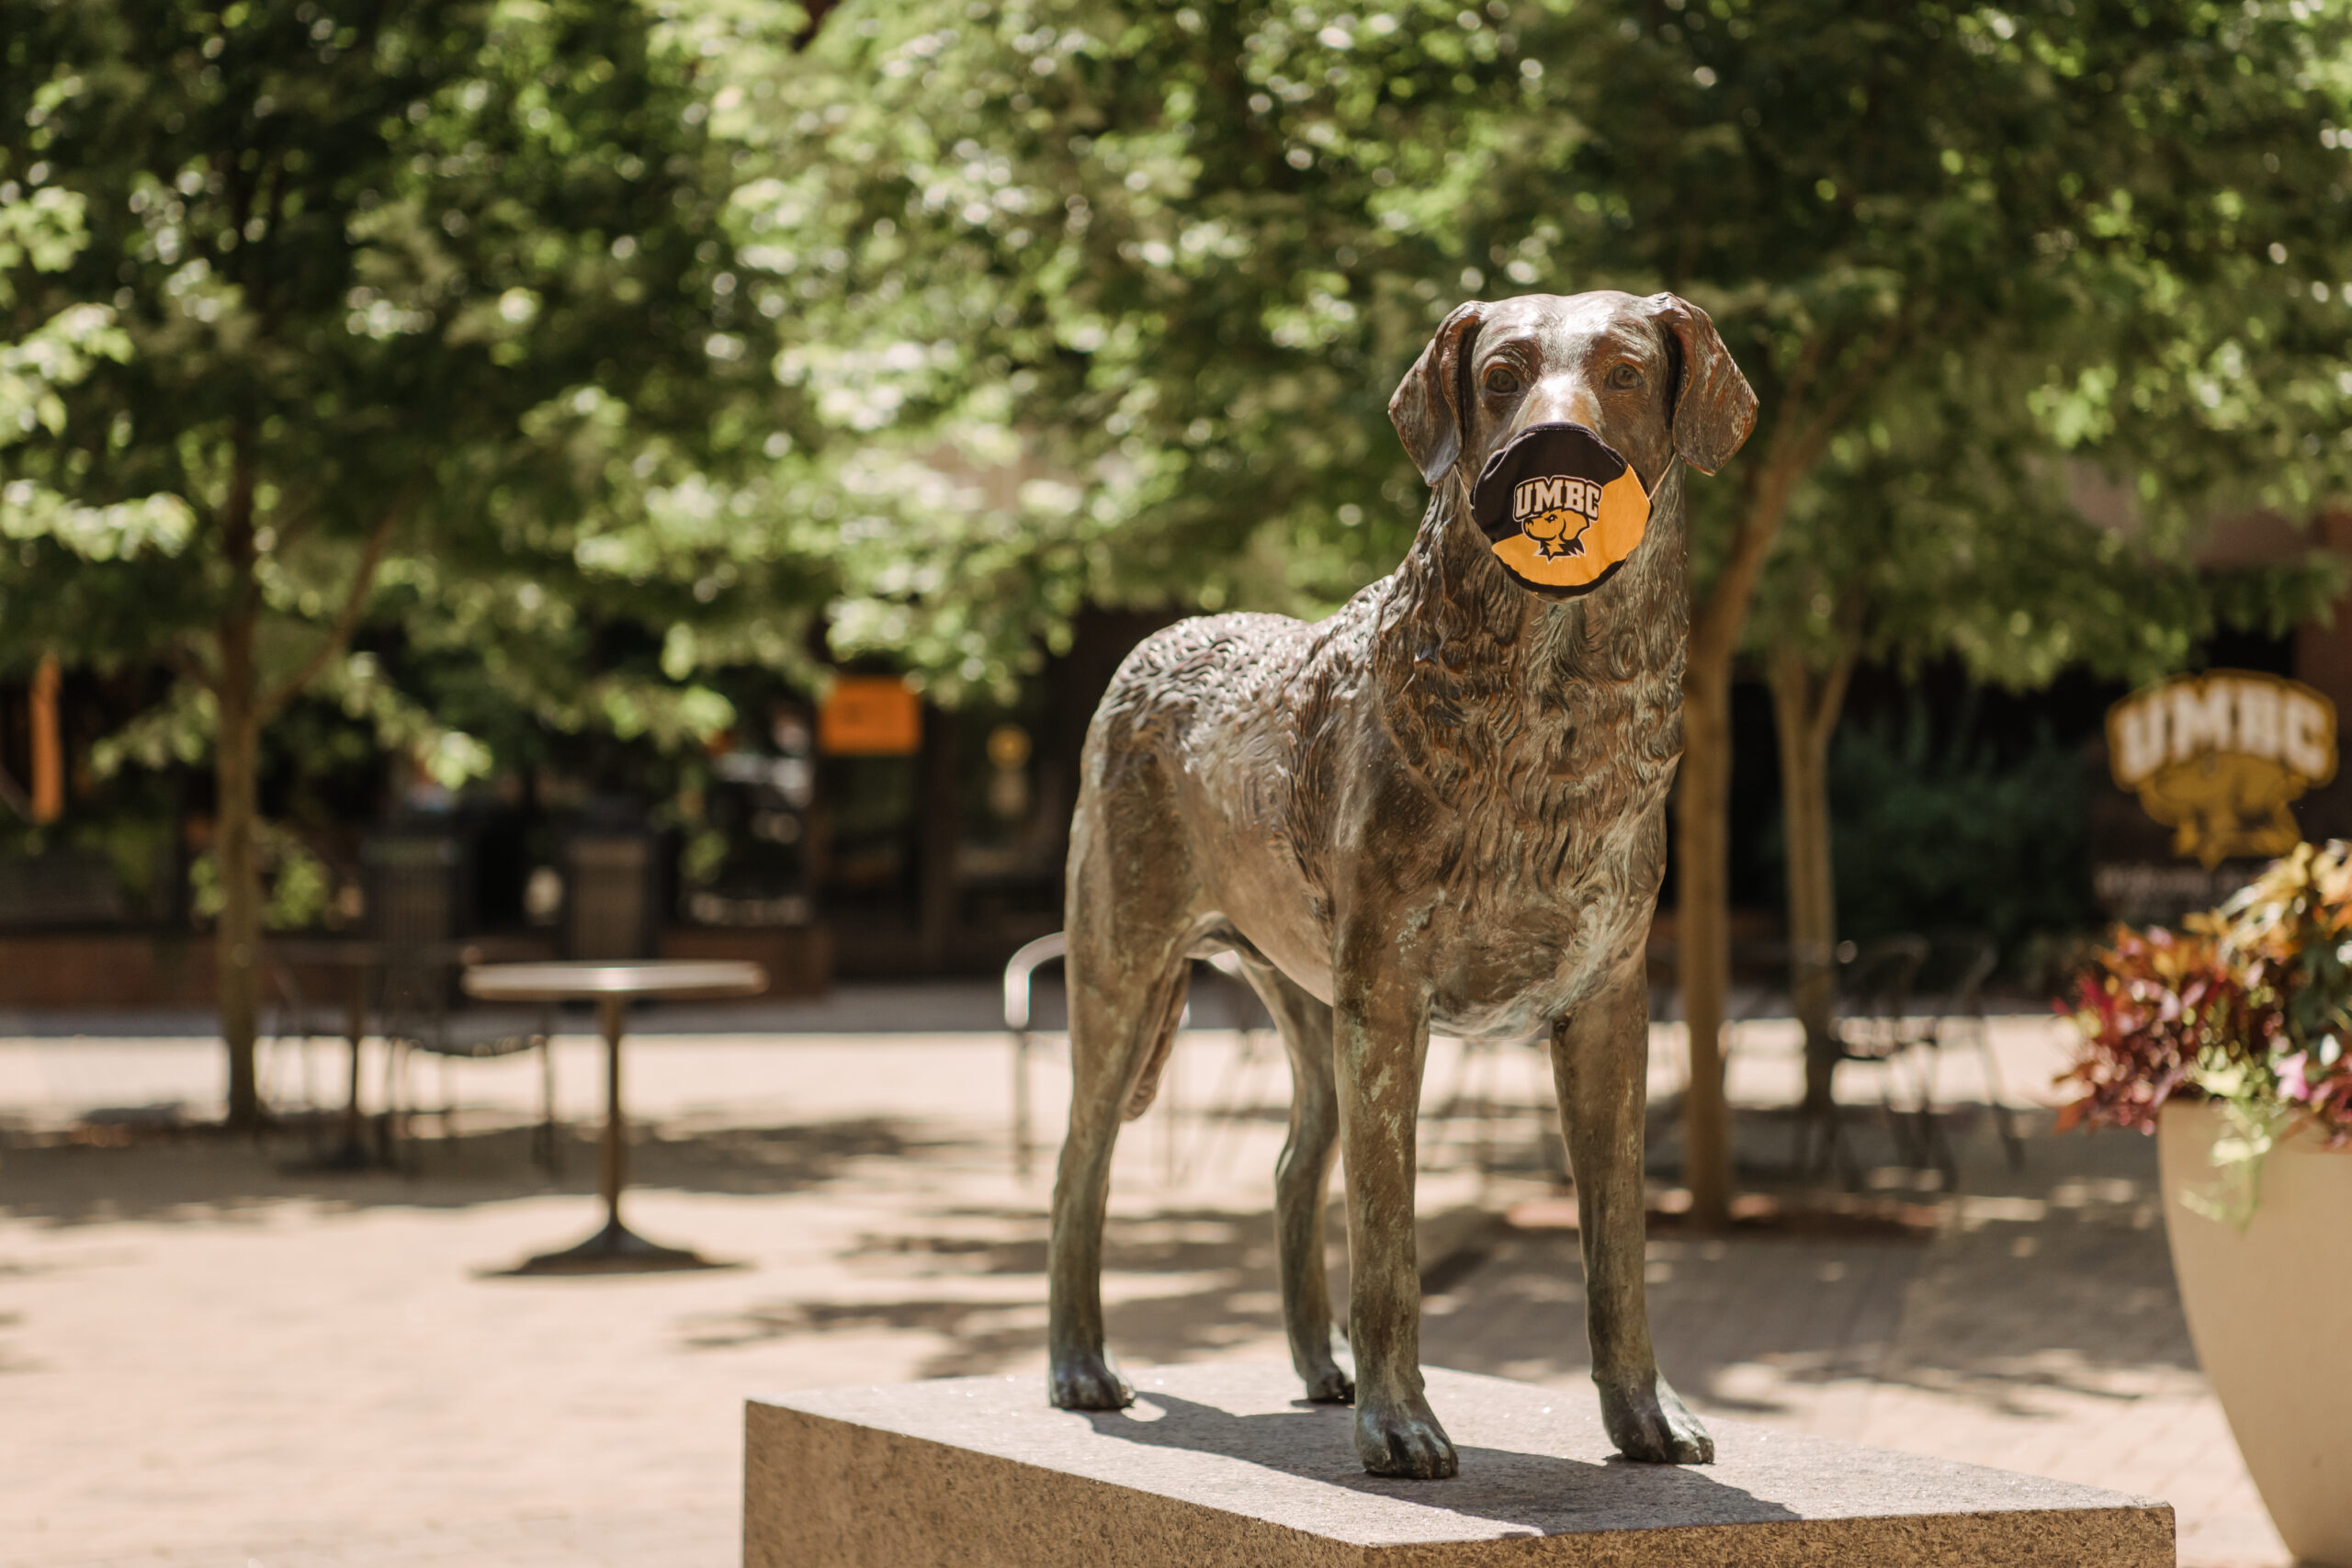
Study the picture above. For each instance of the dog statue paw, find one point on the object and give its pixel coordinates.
(1327, 1384)
(1087, 1383)
(1401, 1437)
(1649, 1424)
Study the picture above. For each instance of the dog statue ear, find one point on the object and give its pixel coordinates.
(1714, 408)
(1428, 408)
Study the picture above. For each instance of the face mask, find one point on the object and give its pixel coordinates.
(1561, 509)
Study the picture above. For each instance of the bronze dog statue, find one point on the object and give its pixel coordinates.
(1441, 807)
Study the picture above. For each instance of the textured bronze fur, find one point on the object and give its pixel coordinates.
(1443, 807)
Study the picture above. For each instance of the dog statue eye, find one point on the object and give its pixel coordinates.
(1625, 376)
(1501, 382)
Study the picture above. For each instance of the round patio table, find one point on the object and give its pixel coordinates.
(612, 987)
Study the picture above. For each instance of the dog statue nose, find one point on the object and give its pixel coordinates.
(1559, 402)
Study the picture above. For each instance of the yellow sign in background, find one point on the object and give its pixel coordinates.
(869, 715)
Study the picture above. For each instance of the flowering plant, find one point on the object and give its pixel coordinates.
(2249, 1007)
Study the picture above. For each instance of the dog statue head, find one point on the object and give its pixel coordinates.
(1649, 377)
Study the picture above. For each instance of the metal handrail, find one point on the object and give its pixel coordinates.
(1020, 973)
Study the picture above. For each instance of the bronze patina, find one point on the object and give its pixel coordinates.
(1442, 807)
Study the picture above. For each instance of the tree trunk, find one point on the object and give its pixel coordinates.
(243, 707)
(1703, 929)
(1805, 705)
(48, 750)
(1701, 823)
(1702, 837)
(935, 843)
(236, 809)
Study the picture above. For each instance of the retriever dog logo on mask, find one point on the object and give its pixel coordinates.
(1554, 512)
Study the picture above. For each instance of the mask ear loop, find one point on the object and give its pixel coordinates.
(1672, 461)
(1459, 485)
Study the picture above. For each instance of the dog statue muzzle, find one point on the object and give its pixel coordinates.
(1561, 508)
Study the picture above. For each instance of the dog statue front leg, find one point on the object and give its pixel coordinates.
(1381, 1027)
(1601, 1063)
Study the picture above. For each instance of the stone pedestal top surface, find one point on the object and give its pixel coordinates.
(1227, 1463)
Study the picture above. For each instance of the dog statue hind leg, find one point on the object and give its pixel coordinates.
(1600, 1060)
(1131, 932)
(1302, 1177)
(1128, 984)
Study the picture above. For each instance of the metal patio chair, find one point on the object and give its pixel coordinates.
(294, 1019)
(1872, 1029)
(418, 1017)
(1957, 1022)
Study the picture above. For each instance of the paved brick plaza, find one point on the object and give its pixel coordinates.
(208, 1360)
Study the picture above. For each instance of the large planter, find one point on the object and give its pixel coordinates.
(2268, 1311)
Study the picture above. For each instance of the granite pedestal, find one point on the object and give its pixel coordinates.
(1224, 1464)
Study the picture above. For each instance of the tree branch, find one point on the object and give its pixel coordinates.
(300, 514)
(1798, 443)
(12, 795)
(1802, 373)
(813, 14)
(1715, 625)
(188, 666)
(1829, 698)
(354, 603)
(1815, 436)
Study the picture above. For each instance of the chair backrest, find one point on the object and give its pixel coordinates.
(1879, 975)
(413, 1002)
(492, 1030)
(415, 886)
(1874, 993)
(1975, 957)
(296, 1013)
(1234, 1002)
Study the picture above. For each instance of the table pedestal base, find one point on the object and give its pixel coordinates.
(616, 1249)
(348, 1156)
(352, 1153)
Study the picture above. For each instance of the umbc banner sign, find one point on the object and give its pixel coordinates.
(2218, 758)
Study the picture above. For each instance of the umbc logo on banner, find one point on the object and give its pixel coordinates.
(2217, 757)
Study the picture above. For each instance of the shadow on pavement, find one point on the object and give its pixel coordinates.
(1210, 1275)
(2061, 1282)
(1540, 1493)
(2054, 1278)
(208, 1175)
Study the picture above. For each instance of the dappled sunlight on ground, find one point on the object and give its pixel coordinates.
(213, 1354)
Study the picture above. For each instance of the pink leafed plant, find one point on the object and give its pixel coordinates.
(2250, 1007)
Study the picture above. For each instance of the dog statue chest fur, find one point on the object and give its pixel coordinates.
(1441, 807)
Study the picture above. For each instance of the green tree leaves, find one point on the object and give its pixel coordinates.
(417, 315)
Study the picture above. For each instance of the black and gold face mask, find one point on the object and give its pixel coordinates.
(1561, 509)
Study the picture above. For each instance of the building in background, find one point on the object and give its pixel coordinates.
(869, 834)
